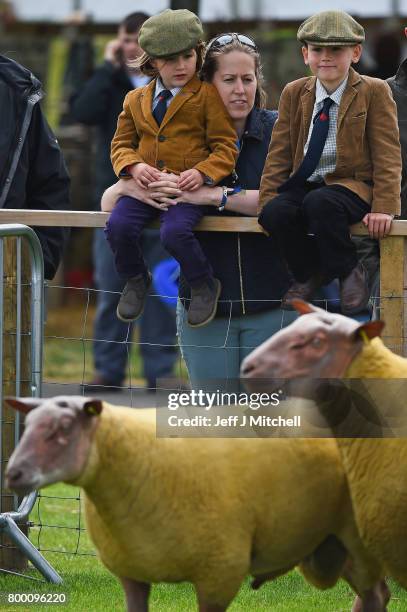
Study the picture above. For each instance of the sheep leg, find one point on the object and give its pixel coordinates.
(375, 600)
(325, 565)
(259, 580)
(136, 594)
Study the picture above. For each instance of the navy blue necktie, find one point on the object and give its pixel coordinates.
(161, 108)
(314, 151)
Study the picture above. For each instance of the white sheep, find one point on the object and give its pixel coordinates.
(208, 511)
(326, 345)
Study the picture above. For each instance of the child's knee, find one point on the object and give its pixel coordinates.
(314, 204)
(173, 235)
(118, 226)
(275, 214)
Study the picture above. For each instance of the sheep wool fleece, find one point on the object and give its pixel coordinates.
(209, 511)
(376, 470)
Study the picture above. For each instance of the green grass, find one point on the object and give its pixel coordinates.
(90, 587)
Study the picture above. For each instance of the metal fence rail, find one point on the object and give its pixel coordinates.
(9, 520)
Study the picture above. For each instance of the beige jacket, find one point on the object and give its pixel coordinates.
(368, 157)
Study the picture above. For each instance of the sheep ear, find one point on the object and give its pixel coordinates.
(93, 407)
(368, 331)
(303, 307)
(23, 404)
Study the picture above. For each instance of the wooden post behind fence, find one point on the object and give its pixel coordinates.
(10, 557)
(392, 288)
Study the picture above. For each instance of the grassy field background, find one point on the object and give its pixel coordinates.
(58, 526)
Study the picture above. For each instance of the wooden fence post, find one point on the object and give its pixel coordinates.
(10, 557)
(392, 284)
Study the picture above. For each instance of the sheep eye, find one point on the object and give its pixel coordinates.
(316, 341)
(63, 404)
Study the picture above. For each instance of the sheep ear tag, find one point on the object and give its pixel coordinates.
(93, 407)
(369, 330)
(303, 307)
(23, 404)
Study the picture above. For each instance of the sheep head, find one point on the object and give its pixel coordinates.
(318, 345)
(56, 441)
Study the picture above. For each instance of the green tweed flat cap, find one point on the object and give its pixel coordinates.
(331, 28)
(170, 32)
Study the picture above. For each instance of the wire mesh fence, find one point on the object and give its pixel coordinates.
(56, 523)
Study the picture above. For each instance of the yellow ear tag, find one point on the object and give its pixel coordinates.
(91, 410)
(364, 336)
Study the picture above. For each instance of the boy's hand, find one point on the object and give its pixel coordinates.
(144, 174)
(378, 224)
(189, 180)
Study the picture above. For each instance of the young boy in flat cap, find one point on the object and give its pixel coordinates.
(334, 160)
(180, 124)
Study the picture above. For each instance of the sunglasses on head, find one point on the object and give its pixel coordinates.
(226, 39)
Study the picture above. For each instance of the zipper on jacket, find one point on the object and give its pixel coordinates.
(240, 274)
(238, 249)
(32, 100)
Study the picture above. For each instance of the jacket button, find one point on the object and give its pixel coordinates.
(161, 138)
(160, 164)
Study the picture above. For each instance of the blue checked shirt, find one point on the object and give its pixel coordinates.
(327, 163)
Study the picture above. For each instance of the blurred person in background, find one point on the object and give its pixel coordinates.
(398, 86)
(33, 174)
(99, 103)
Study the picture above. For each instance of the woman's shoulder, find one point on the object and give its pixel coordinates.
(261, 122)
(268, 117)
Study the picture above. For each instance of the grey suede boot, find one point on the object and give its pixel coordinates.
(204, 301)
(133, 298)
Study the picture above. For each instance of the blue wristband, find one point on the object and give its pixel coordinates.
(228, 191)
(222, 204)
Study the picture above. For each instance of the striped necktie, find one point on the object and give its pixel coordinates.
(314, 151)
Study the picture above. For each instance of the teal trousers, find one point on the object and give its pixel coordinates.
(216, 350)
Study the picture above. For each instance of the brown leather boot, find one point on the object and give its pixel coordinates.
(301, 291)
(133, 298)
(354, 291)
(204, 301)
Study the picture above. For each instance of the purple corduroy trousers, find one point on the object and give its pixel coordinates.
(131, 216)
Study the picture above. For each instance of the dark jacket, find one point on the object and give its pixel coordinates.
(99, 103)
(32, 170)
(398, 86)
(248, 266)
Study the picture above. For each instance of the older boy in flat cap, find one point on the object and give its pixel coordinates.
(334, 160)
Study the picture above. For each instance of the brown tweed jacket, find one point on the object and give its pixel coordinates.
(368, 157)
(196, 132)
